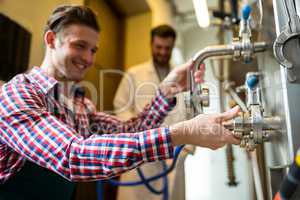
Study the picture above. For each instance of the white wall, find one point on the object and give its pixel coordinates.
(161, 12)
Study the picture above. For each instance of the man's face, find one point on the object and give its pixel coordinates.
(162, 49)
(74, 51)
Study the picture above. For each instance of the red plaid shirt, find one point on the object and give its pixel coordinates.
(36, 125)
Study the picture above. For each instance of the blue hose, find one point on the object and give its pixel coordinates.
(146, 181)
(153, 178)
(164, 190)
(100, 190)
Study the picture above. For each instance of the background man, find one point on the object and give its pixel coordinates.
(136, 89)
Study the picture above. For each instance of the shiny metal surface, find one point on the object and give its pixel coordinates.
(255, 129)
(243, 123)
(290, 33)
(279, 96)
(236, 49)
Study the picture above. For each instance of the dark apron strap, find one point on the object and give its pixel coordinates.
(33, 182)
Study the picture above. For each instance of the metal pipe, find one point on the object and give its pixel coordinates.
(235, 97)
(245, 124)
(223, 50)
(257, 176)
(230, 166)
(234, 49)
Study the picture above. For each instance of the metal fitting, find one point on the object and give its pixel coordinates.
(253, 131)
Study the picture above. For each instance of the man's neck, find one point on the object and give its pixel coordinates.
(161, 65)
(162, 70)
(51, 71)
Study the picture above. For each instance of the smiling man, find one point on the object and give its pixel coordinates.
(52, 136)
(135, 91)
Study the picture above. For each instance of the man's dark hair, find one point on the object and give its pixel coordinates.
(65, 15)
(163, 31)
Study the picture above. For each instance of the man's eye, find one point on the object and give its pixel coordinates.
(79, 46)
(94, 51)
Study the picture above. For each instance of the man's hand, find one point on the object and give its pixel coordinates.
(205, 130)
(177, 79)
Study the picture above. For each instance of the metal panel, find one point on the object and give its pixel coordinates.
(280, 97)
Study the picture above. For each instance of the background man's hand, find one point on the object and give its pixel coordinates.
(177, 79)
(205, 130)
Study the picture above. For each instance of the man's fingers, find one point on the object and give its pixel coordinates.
(189, 64)
(230, 137)
(235, 141)
(230, 114)
(192, 64)
(199, 80)
(227, 123)
(202, 67)
(199, 76)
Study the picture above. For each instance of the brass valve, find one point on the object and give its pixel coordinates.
(205, 97)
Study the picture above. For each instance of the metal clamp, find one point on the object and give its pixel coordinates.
(254, 128)
(290, 32)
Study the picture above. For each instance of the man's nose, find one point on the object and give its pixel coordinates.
(164, 51)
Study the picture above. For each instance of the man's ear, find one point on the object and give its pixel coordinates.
(49, 39)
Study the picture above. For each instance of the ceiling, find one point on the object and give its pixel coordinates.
(133, 7)
(183, 6)
(185, 13)
(186, 6)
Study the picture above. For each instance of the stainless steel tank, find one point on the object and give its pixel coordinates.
(279, 95)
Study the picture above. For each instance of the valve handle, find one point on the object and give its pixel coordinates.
(252, 81)
(246, 12)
